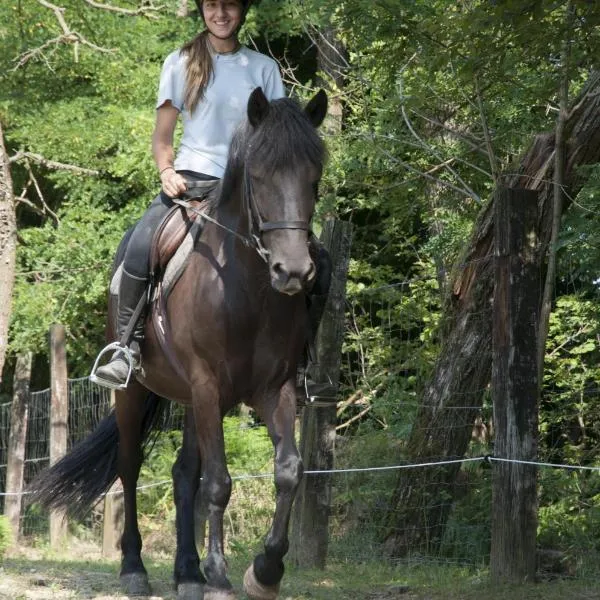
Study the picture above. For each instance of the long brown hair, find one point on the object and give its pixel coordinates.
(199, 70)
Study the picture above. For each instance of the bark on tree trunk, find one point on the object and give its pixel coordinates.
(8, 246)
(515, 387)
(422, 499)
(332, 63)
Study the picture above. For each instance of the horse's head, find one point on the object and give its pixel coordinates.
(283, 165)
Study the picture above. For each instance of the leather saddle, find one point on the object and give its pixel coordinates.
(172, 245)
(178, 222)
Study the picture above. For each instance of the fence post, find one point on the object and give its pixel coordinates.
(59, 413)
(16, 442)
(310, 526)
(113, 512)
(515, 386)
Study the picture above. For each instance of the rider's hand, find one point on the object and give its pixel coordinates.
(173, 184)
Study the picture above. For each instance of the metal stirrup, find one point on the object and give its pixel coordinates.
(121, 347)
(115, 346)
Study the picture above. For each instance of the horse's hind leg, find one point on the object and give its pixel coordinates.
(262, 579)
(130, 410)
(186, 477)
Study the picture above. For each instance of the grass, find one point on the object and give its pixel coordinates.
(42, 574)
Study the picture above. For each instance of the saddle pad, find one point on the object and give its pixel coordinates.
(174, 268)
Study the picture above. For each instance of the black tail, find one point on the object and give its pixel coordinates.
(76, 481)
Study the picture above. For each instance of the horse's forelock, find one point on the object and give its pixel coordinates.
(286, 137)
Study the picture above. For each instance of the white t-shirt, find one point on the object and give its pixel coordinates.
(208, 131)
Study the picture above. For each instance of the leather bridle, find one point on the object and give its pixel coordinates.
(256, 224)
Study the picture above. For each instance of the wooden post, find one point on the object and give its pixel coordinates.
(515, 386)
(112, 525)
(59, 412)
(16, 443)
(310, 526)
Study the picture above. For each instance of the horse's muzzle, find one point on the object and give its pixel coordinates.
(292, 279)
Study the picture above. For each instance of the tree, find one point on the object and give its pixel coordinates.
(464, 365)
(8, 245)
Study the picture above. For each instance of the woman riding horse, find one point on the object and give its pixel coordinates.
(208, 82)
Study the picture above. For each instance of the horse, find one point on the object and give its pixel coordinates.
(238, 320)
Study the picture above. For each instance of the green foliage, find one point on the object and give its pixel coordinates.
(569, 511)
(5, 536)
(570, 416)
(249, 451)
(423, 84)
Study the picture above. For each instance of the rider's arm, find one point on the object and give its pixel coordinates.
(162, 148)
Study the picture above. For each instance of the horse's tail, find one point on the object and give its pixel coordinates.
(77, 480)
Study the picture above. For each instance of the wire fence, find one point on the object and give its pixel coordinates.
(362, 482)
(387, 358)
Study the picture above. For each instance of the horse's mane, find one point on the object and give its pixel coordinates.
(284, 138)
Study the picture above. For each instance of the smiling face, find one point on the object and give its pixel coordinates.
(222, 18)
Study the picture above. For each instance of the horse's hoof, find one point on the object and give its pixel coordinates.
(135, 584)
(190, 591)
(212, 593)
(255, 590)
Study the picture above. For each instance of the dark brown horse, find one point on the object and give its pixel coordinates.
(238, 322)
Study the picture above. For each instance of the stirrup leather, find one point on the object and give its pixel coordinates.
(117, 347)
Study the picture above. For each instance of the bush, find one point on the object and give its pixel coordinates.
(5, 536)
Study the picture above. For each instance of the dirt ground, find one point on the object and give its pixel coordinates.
(27, 577)
(81, 573)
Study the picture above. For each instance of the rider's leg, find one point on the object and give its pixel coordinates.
(133, 285)
(134, 282)
(315, 302)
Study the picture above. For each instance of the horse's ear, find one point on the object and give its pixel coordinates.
(258, 107)
(316, 109)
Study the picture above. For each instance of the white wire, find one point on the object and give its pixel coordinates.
(542, 464)
(248, 476)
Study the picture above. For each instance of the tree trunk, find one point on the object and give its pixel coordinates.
(332, 63)
(182, 9)
(59, 421)
(558, 180)
(310, 519)
(515, 387)
(422, 498)
(8, 247)
(15, 463)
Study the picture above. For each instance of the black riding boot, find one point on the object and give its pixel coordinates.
(315, 304)
(131, 290)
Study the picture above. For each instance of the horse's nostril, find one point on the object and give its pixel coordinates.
(277, 268)
(312, 272)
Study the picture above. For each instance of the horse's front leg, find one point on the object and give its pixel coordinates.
(215, 487)
(262, 579)
(186, 477)
(129, 409)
